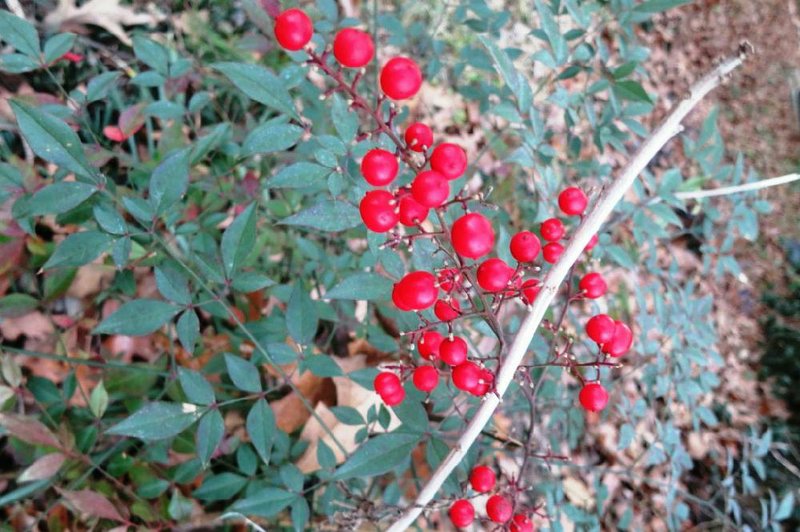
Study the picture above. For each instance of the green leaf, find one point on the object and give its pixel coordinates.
(58, 45)
(210, 432)
(98, 400)
(220, 487)
(348, 415)
(188, 328)
(299, 175)
(328, 215)
(20, 34)
(169, 181)
(301, 316)
(137, 318)
(266, 502)
(15, 305)
(79, 249)
(378, 455)
(261, 85)
(173, 285)
(196, 387)
(322, 366)
(631, 90)
(300, 514)
(17, 63)
(52, 140)
(100, 85)
(59, 197)
(271, 138)
(251, 282)
(157, 421)
(238, 240)
(243, 373)
(261, 428)
(516, 82)
(363, 285)
(657, 6)
(344, 119)
(152, 54)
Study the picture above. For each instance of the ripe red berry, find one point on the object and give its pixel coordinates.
(592, 243)
(419, 137)
(430, 188)
(401, 78)
(472, 236)
(572, 201)
(377, 211)
(521, 523)
(552, 229)
(453, 352)
(379, 167)
(499, 509)
(485, 382)
(411, 212)
(552, 251)
(449, 159)
(389, 387)
(593, 285)
(415, 291)
(494, 275)
(293, 29)
(429, 344)
(530, 289)
(482, 479)
(621, 341)
(462, 513)
(449, 278)
(525, 246)
(593, 397)
(447, 310)
(600, 328)
(394, 398)
(353, 48)
(467, 376)
(425, 378)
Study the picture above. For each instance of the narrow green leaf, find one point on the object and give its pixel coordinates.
(137, 318)
(15, 305)
(657, 6)
(210, 432)
(60, 197)
(631, 90)
(261, 428)
(243, 373)
(363, 285)
(266, 502)
(188, 328)
(299, 175)
(17, 63)
(157, 421)
(196, 387)
(251, 282)
(220, 487)
(344, 119)
(271, 138)
(301, 316)
(328, 215)
(20, 34)
(152, 54)
(238, 240)
(58, 45)
(79, 249)
(260, 84)
(378, 455)
(169, 181)
(173, 285)
(100, 85)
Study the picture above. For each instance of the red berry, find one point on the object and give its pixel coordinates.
(499, 509)
(472, 236)
(494, 275)
(482, 479)
(353, 48)
(447, 310)
(467, 376)
(401, 78)
(419, 137)
(449, 159)
(592, 243)
(572, 201)
(552, 229)
(415, 291)
(453, 352)
(593, 397)
(525, 246)
(387, 382)
(593, 285)
(377, 211)
(449, 278)
(600, 328)
(430, 188)
(411, 212)
(462, 513)
(293, 29)
(521, 523)
(394, 398)
(425, 378)
(530, 289)
(552, 251)
(621, 342)
(485, 382)
(379, 167)
(429, 344)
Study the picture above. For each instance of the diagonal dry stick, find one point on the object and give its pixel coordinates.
(608, 199)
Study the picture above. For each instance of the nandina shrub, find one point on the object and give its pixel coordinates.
(253, 214)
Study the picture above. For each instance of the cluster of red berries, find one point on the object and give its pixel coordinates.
(499, 508)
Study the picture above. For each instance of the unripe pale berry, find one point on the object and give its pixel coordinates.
(472, 236)
(430, 188)
(593, 397)
(425, 378)
(293, 29)
(552, 251)
(453, 352)
(447, 310)
(552, 229)
(482, 479)
(428, 345)
(494, 274)
(400, 78)
(449, 159)
(572, 201)
(379, 167)
(593, 285)
(521, 523)
(419, 137)
(621, 342)
(462, 513)
(525, 246)
(353, 48)
(411, 212)
(449, 278)
(377, 211)
(499, 509)
(415, 291)
(530, 289)
(466, 376)
(600, 328)
(387, 382)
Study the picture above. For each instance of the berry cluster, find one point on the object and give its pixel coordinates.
(499, 508)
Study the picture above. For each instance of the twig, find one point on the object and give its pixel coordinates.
(588, 228)
(15, 7)
(725, 191)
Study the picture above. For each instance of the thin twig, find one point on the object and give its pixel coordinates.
(747, 187)
(552, 281)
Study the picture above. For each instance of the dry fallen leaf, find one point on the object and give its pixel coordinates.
(108, 14)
